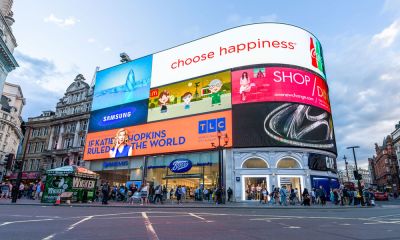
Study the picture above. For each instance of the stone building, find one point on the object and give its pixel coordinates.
(56, 139)
(7, 42)
(385, 166)
(365, 173)
(12, 102)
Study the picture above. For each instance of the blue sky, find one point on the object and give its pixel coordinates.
(60, 39)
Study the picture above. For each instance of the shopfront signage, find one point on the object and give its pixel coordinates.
(115, 164)
(180, 165)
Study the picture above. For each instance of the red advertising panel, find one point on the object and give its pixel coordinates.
(183, 134)
(279, 84)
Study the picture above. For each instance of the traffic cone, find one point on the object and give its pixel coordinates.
(58, 201)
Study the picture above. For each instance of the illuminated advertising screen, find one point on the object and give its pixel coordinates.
(279, 84)
(124, 115)
(321, 162)
(124, 83)
(263, 43)
(282, 125)
(200, 95)
(182, 134)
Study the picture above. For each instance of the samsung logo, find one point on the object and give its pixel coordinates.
(115, 164)
(117, 116)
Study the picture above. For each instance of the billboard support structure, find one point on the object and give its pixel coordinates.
(220, 149)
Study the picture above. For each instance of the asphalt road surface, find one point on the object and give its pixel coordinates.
(95, 223)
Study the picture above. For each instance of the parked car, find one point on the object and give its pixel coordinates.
(381, 196)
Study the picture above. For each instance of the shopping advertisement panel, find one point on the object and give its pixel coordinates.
(183, 134)
(278, 124)
(124, 115)
(199, 95)
(279, 84)
(247, 45)
(124, 83)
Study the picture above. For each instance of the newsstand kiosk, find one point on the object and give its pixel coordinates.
(76, 182)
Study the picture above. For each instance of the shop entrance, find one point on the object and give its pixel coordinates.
(252, 186)
(115, 177)
(292, 182)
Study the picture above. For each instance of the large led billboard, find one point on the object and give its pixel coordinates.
(252, 44)
(177, 135)
(199, 95)
(123, 83)
(282, 125)
(279, 84)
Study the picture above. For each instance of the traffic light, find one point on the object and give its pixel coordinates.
(9, 159)
(357, 176)
(18, 165)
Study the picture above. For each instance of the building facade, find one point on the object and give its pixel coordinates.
(11, 135)
(7, 41)
(348, 176)
(56, 138)
(385, 167)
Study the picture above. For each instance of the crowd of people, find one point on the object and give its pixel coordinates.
(30, 191)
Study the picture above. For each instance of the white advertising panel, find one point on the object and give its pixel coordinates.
(242, 46)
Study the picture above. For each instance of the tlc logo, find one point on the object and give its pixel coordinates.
(212, 125)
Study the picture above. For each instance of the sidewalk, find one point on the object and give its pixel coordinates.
(188, 204)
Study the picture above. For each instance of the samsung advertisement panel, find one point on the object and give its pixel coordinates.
(262, 43)
(200, 95)
(124, 83)
(124, 115)
(183, 134)
(282, 125)
(279, 84)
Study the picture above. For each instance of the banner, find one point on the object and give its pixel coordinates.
(279, 84)
(200, 95)
(252, 44)
(282, 125)
(118, 116)
(124, 83)
(183, 134)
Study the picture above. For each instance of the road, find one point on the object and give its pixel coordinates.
(95, 223)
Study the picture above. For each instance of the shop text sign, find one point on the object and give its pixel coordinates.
(180, 165)
(279, 84)
(115, 164)
(183, 134)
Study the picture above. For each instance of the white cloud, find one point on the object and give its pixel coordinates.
(388, 35)
(69, 21)
(241, 20)
(107, 49)
(91, 40)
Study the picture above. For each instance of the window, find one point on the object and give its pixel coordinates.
(68, 142)
(254, 163)
(73, 127)
(288, 163)
(46, 131)
(39, 147)
(56, 130)
(55, 144)
(84, 124)
(82, 141)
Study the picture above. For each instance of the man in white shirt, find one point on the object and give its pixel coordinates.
(183, 192)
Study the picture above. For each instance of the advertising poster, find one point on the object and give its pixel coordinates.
(320, 162)
(282, 125)
(199, 95)
(128, 114)
(55, 185)
(279, 84)
(124, 83)
(183, 134)
(253, 44)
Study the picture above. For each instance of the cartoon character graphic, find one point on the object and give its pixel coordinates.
(187, 97)
(215, 87)
(121, 147)
(163, 100)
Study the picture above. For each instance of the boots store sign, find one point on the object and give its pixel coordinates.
(180, 165)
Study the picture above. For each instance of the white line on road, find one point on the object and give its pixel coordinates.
(49, 237)
(79, 222)
(150, 230)
(36, 220)
(196, 216)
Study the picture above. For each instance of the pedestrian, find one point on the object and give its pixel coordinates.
(206, 194)
(265, 195)
(21, 190)
(38, 190)
(230, 193)
(276, 195)
(313, 196)
(306, 197)
(183, 189)
(158, 194)
(218, 195)
(292, 197)
(5, 190)
(178, 194)
(283, 195)
(144, 193)
(105, 190)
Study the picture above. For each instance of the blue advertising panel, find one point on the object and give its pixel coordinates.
(129, 114)
(124, 83)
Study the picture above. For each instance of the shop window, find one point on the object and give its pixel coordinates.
(255, 163)
(288, 163)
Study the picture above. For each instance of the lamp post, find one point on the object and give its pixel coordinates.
(356, 173)
(220, 147)
(347, 171)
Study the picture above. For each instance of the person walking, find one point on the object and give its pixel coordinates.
(105, 190)
(158, 194)
(283, 194)
(178, 194)
(38, 190)
(265, 194)
(306, 198)
(230, 193)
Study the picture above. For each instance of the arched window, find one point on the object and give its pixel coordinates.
(288, 163)
(255, 163)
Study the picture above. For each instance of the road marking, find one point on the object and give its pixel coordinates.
(150, 230)
(345, 224)
(289, 226)
(49, 237)
(196, 216)
(24, 221)
(79, 222)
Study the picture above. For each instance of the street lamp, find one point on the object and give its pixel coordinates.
(347, 171)
(356, 174)
(220, 147)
